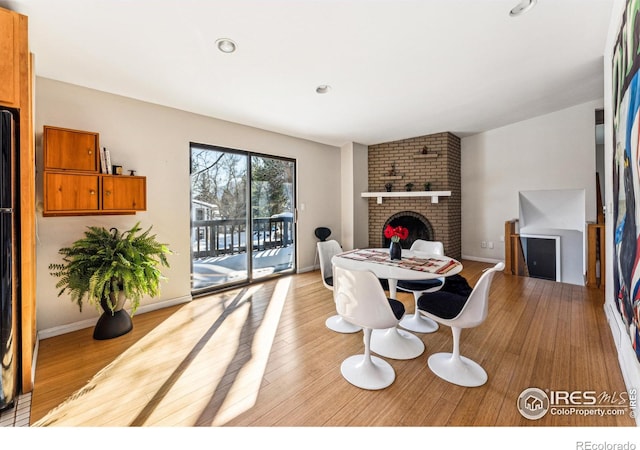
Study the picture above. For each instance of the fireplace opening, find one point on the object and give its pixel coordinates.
(418, 226)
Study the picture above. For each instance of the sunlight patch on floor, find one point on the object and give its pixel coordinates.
(197, 386)
(244, 392)
(154, 383)
(140, 374)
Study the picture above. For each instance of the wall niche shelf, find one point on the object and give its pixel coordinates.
(435, 195)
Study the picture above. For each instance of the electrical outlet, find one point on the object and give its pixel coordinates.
(483, 244)
(490, 244)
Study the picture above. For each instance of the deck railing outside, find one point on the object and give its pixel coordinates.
(228, 236)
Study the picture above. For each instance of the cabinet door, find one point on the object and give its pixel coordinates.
(9, 59)
(70, 149)
(70, 192)
(124, 193)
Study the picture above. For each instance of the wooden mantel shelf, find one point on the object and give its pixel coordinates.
(435, 195)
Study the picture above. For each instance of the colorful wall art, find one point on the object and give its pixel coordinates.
(626, 171)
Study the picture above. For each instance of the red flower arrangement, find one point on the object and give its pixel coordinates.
(396, 233)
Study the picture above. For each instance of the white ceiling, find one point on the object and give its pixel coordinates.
(397, 68)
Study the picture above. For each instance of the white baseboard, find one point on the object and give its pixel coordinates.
(308, 269)
(68, 328)
(479, 259)
(164, 304)
(627, 359)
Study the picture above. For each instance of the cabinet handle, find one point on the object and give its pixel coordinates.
(90, 151)
(107, 192)
(92, 192)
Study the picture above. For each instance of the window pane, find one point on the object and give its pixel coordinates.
(218, 217)
(272, 212)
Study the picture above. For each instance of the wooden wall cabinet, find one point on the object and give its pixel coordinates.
(73, 184)
(70, 192)
(10, 63)
(121, 192)
(70, 150)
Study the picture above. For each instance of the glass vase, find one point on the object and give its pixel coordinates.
(395, 251)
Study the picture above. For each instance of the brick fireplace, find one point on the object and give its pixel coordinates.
(433, 159)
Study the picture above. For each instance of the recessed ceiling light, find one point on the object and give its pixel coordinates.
(323, 89)
(226, 45)
(522, 7)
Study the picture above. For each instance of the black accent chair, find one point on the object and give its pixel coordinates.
(322, 233)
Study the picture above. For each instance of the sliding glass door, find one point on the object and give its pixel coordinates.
(242, 217)
(272, 215)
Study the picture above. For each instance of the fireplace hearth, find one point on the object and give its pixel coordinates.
(418, 226)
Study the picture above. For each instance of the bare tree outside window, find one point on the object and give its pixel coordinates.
(234, 241)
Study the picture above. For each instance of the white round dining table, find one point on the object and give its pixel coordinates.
(372, 259)
(395, 343)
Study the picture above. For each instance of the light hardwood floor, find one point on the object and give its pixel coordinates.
(262, 356)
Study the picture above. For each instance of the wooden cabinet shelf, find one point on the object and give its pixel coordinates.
(73, 184)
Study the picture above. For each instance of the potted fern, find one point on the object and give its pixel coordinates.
(106, 268)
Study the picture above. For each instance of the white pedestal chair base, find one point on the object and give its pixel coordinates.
(339, 325)
(419, 323)
(461, 370)
(374, 373)
(396, 344)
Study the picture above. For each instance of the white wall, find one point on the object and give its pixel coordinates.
(554, 151)
(361, 205)
(347, 190)
(154, 140)
(355, 209)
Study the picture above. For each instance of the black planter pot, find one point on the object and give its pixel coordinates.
(112, 324)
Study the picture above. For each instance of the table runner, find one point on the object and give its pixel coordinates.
(431, 264)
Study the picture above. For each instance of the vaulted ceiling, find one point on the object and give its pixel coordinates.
(396, 68)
